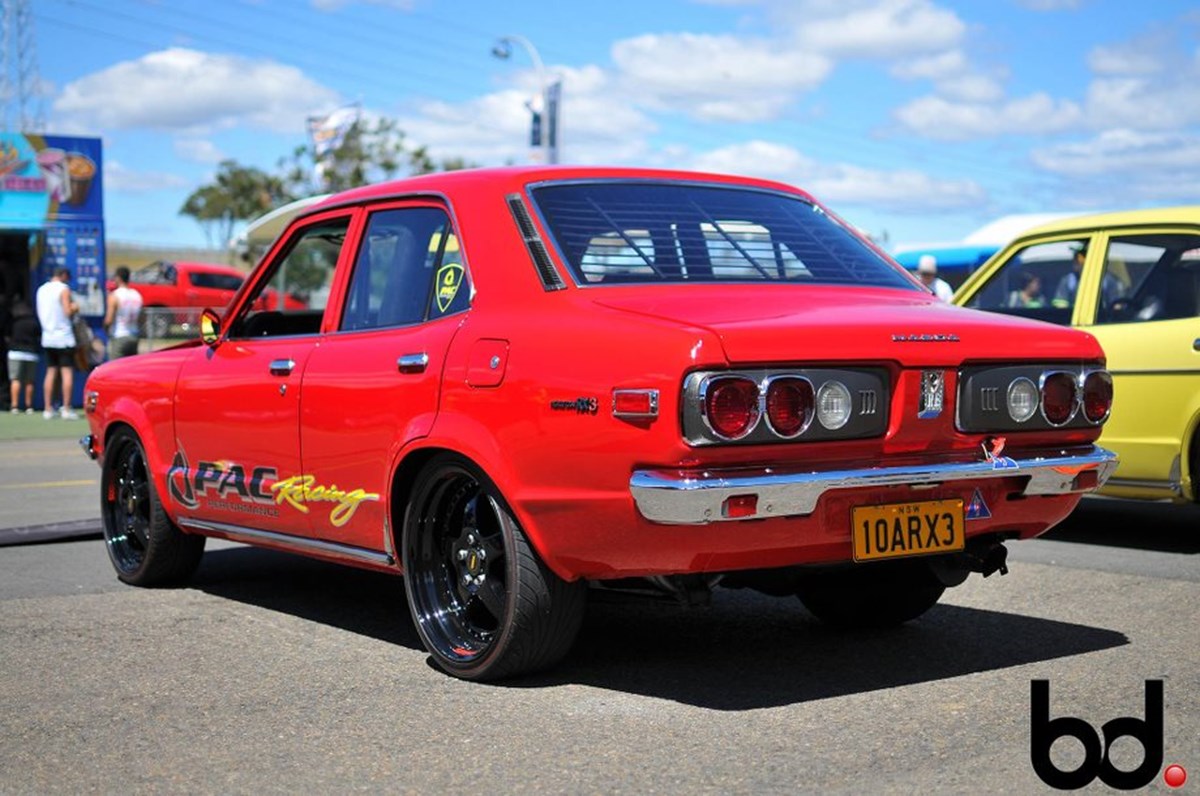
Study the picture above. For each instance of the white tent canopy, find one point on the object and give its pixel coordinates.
(262, 231)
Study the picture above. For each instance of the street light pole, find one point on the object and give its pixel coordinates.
(551, 93)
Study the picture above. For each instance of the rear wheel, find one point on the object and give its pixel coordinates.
(143, 544)
(484, 604)
(870, 595)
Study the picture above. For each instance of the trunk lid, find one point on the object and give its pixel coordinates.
(780, 324)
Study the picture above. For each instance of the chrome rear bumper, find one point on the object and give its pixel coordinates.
(696, 497)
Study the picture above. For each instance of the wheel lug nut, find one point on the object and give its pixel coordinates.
(462, 555)
(466, 580)
(470, 538)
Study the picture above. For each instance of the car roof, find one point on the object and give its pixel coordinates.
(1156, 216)
(507, 179)
(214, 268)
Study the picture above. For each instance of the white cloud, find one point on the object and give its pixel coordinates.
(948, 64)
(182, 89)
(722, 78)
(902, 191)
(121, 179)
(1148, 167)
(946, 120)
(1127, 151)
(1141, 56)
(198, 150)
(877, 28)
(1144, 84)
(597, 122)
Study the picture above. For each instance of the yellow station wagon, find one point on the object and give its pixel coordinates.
(1132, 279)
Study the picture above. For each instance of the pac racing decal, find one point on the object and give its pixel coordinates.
(300, 490)
(224, 486)
(449, 279)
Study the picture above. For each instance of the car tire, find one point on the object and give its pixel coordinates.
(870, 595)
(145, 547)
(486, 607)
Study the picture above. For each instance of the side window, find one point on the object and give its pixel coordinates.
(293, 300)
(409, 269)
(1150, 278)
(1039, 281)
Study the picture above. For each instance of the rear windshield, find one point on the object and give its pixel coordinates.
(617, 232)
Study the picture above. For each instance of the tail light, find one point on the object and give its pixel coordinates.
(1097, 396)
(789, 405)
(1059, 398)
(731, 406)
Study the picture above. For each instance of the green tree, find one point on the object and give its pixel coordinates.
(237, 193)
(369, 151)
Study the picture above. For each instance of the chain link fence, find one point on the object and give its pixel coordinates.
(163, 326)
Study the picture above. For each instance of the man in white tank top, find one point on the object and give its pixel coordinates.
(123, 315)
(55, 310)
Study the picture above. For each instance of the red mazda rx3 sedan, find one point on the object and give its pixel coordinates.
(508, 384)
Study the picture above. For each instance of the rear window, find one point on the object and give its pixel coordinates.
(614, 232)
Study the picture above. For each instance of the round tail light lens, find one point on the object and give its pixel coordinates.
(833, 405)
(789, 406)
(731, 406)
(1097, 396)
(1022, 399)
(1058, 398)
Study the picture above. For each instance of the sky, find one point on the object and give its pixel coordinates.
(915, 120)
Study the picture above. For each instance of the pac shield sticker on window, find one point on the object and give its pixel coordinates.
(449, 279)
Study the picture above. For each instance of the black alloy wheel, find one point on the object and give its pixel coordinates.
(145, 547)
(484, 604)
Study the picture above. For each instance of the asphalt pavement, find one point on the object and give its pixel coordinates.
(272, 673)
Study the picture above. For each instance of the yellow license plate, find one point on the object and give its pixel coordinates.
(907, 529)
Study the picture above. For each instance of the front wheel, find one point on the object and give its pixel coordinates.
(870, 595)
(143, 544)
(484, 604)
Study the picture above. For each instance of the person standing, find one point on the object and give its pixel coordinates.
(123, 314)
(23, 345)
(55, 308)
(927, 273)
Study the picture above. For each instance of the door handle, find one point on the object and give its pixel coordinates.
(282, 367)
(1196, 344)
(413, 363)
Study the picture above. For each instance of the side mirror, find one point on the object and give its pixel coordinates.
(210, 327)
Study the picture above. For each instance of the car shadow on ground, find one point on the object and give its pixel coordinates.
(368, 603)
(1134, 524)
(744, 651)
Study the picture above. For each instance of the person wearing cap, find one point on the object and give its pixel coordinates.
(927, 273)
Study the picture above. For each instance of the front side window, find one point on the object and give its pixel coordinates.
(156, 274)
(1149, 278)
(293, 301)
(1039, 281)
(408, 270)
(621, 232)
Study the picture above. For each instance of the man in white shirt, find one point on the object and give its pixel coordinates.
(124, 312)
(55, 310)
(927, 273)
